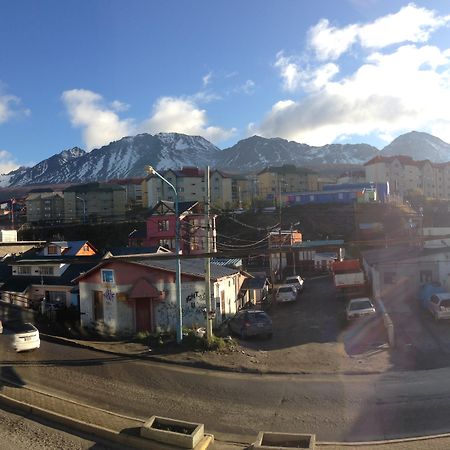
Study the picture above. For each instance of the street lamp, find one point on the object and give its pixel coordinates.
(152, 171)
(84, 207)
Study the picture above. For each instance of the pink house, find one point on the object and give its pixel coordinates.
(123, 296)
(161, 227)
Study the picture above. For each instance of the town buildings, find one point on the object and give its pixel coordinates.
(406, 176)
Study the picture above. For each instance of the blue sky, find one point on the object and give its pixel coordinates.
(85, 73)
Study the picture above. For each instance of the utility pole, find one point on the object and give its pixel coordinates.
(209, 311)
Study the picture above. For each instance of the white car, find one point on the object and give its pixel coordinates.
(286, 293)
(359, 307)
(297, 281)
(21, 336)
(439, 305)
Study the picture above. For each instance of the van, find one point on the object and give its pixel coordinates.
(439, 306)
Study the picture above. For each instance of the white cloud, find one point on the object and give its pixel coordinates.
(10, 106)
(99, 123)
(410, 24)
(7, 162)
(401, 84)
(247, 88)
(330, 42)
(118, 106)
(182, 115)
(207, 79)
(408, 88)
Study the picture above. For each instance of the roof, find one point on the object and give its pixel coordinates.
(120, 251)
(287, 168)
(404, 160)
(253, 283)
(90, 187)
(182, 206)
(73, 247)
(390, 254)
(234, 262)
(194, 267)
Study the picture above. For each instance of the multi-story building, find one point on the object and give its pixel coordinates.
(133, 190)
(190, 185)
(405, 175)
(44, 206)
(161, 228)
(93, 202)
(272, 182)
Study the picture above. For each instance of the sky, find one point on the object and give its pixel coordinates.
(86, 73)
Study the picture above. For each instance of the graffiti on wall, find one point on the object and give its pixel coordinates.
(193, 304)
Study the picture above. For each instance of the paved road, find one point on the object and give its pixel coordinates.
(21, 433)
(333, 407)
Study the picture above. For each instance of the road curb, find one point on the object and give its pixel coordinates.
(198, 364)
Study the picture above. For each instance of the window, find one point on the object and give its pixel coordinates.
(24, 270)
(163, 225)
(46, 270)
(52, 250)
(107, 276)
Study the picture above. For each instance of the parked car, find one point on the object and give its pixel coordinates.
(358, 307)
(248, 323)
(297, 281)
(21, 336)
(286, 293)
(439, 305)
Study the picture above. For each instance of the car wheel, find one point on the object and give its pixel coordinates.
(243, 334)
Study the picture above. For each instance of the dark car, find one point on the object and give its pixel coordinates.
(248, 323)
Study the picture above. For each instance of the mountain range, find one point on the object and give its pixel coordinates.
(129, 156)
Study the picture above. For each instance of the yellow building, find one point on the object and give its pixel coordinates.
(272, 182)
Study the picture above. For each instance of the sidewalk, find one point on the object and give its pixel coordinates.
(123, 431)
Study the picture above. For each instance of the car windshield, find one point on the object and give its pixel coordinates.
(361, 304)
(258, 317)
(285, 289)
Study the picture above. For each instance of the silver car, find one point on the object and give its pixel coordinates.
(297, 281)
(439, 305)
(249, 322)
(359, 307)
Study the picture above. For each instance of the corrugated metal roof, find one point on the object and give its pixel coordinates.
(190, 267)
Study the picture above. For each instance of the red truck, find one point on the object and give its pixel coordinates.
(349, 279)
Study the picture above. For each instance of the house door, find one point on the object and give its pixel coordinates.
(143, 314)
(222, 304)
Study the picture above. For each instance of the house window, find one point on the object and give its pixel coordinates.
(389, 277)
(46, 270)
(107, 276)
(52, 250)
(24, 270)
(98, 305)
(166, 243)
(163, 225)
(426, 276)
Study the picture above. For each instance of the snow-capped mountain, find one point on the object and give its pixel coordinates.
(419, 146)
(126, 158)
(129, 156)
(256, 153)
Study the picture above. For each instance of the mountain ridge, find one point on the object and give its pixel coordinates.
(129, 156)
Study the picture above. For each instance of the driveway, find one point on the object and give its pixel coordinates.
(311, 335)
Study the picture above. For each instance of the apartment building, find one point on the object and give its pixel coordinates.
(94, 202)
(190, 185)
(44, 206)
(274, 181)
(406, 175)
